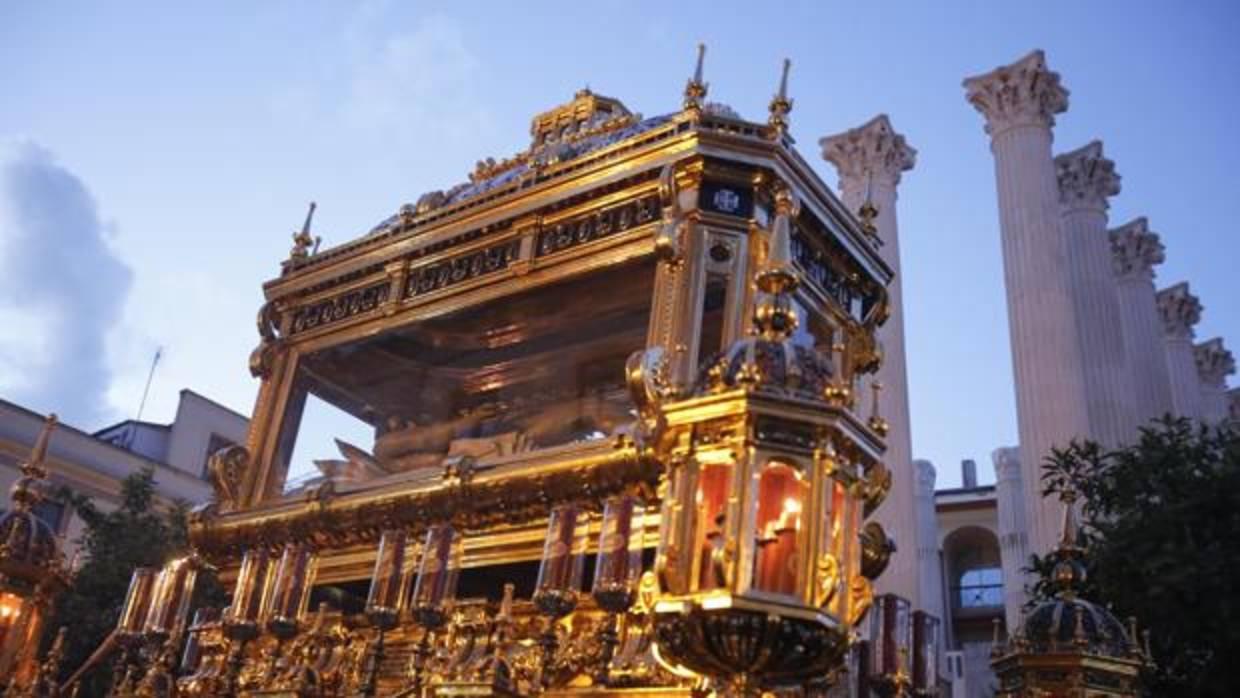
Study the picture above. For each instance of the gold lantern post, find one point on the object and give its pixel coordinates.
(760, 554)
(434, 591)
(617, 570)
(242, 620)
(386, 600)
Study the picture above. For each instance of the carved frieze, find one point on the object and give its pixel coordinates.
(449, 272)
(340, 307)
(597, 225)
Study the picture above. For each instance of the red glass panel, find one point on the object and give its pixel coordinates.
(781, 499)
(712, 505)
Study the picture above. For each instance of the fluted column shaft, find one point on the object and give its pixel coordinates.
(1180, 311)
(1135, 251)
(870, 160)
(1019, 102)
(928, 562)
(1013, 541)
(1086, 180)
(1046, 357)
(1185, 386)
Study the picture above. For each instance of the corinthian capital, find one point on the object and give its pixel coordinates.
(1024, 93)
(1180, 310)
(1086, 178)
(1214, 362)
(872, 149)
(1135, 249)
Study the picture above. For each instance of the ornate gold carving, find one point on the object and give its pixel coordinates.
(860, 598)
(827, 575)
(226, 468)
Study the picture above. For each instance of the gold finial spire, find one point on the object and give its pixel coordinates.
(695, 89)
(778, 274)
(27, 491)
(1069, 571)
(303, 242)
(781, 105)
(774, 316)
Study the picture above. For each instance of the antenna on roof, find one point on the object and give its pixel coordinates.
(149, 377)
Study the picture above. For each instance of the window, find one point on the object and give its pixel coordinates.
(980, 588)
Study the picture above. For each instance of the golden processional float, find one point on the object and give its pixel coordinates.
(626, 440)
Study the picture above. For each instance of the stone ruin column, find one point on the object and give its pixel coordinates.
(1020, 102)
(870, 160)
(1180, 311)
(1135, 250)
(1086, 181)
(1214, 364)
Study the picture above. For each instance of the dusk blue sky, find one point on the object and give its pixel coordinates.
(154, 158)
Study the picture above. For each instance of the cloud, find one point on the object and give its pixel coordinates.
(424, 78)
(62, 288)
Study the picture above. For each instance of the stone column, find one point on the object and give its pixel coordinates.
(1020, 102)
(870, 160)
(929, 568)
(1013, 541)
(1086, 181)
(1233, 406)
(1214, 364)
(1135, 249)
(1180, 311)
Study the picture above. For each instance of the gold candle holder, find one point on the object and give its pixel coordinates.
(290, 589)
(388, 585)
(171, 597)
(890, 670)
(617, 571)
(559, 577)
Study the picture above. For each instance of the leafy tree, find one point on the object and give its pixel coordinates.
(136, 534)
(1161, 526)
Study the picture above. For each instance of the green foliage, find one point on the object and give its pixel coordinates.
(1161, 524)
(137, 534)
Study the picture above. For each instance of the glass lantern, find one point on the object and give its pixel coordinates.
(137, 605)
(891, 640)
(250, 589)
(779, 536)
(290, 589)
(191, 656)
(925, 654)
(171, 596)
(563, 561)
(619, 564)
(389, 582)
(438, 573)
